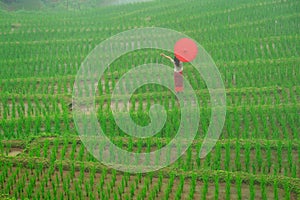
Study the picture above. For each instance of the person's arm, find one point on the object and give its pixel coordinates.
(163, 55)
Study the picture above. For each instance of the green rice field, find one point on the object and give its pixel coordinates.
(255, 45)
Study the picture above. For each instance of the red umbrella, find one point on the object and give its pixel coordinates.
(185, 50)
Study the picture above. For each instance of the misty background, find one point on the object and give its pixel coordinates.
(13, 5)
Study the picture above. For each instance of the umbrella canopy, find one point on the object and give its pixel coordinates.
(185, 50)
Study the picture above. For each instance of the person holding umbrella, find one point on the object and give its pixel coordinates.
(178, 68)
(185, 50)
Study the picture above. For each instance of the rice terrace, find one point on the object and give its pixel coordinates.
(150, 99)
